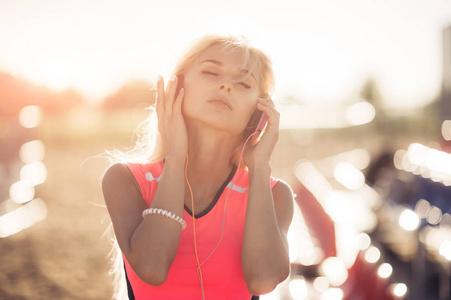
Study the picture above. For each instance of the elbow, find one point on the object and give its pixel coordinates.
(152, 275)
(260, 285)
(260, 288)
(154, 278)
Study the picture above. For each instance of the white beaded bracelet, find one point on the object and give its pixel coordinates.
(163, 212)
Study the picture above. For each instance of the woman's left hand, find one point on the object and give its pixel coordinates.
(259, 151)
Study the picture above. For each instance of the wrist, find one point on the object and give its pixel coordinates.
(263, 168)
(175, 159)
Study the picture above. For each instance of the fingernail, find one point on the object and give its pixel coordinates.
(158, 78)
(181, 90)
(173, 77)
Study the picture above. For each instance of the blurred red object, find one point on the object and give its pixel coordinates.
(364, 283)
(319, 223)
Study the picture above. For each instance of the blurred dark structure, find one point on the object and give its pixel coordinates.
(445, 99)
(413, 228)
(425, 271)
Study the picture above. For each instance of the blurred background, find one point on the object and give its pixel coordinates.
(364, 91)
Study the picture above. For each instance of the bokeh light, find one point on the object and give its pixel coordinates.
(349, 176)
(21, 191)
(409, 220)
(434, 215)
(34, 173)
(32, 151)
(399, 289)
(360, 113)
(417, 153)
(445, 222)
(372, 255)
(321, 284)
(30, 116)
(22, 217)
(362, 241)
(446, 130)
(302, 249)
(445, 249)
(359, 158)
(298, 288)
(400, 159)
(332, 294)
(385, 270)
(335, 270)
(422, 207)
(425, 161)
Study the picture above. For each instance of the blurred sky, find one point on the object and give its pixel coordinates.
(322, 51)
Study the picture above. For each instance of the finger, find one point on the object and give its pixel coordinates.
(270, 135)
(272, 113)
(170, 93)
(266, 101)
(271, 102)
(178, 102)
(266, 106)
(159, 107)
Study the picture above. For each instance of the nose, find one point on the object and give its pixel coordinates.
(225, 86)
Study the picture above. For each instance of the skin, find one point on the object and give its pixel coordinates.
(192, 123)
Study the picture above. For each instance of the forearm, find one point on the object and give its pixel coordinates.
(265, 260)
(154, 244)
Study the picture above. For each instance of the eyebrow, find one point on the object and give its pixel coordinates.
(220, 63)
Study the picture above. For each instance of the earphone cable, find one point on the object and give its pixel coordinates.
(199, 265)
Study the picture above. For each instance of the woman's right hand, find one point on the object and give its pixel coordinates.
(170, 119)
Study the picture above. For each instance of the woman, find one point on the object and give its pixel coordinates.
(209, 172)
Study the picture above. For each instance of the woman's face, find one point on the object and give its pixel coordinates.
(219, 92)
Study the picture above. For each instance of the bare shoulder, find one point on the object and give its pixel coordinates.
(115, 172)
(119, 184)
(123, 200)
(116, 176)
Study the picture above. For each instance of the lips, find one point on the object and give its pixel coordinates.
(221, 102)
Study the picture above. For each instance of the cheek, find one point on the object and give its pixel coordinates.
(187, 103)
(191, 91)
(249, 102)
(249, 106)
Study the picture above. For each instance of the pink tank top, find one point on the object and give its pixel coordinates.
(222, 274)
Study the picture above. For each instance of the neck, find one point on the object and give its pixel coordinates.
(209, 163)
(210, 151)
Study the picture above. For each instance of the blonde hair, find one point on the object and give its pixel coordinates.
(257, 62)
(149, 147)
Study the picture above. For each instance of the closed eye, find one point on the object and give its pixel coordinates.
(244, 85)
(209, 73)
